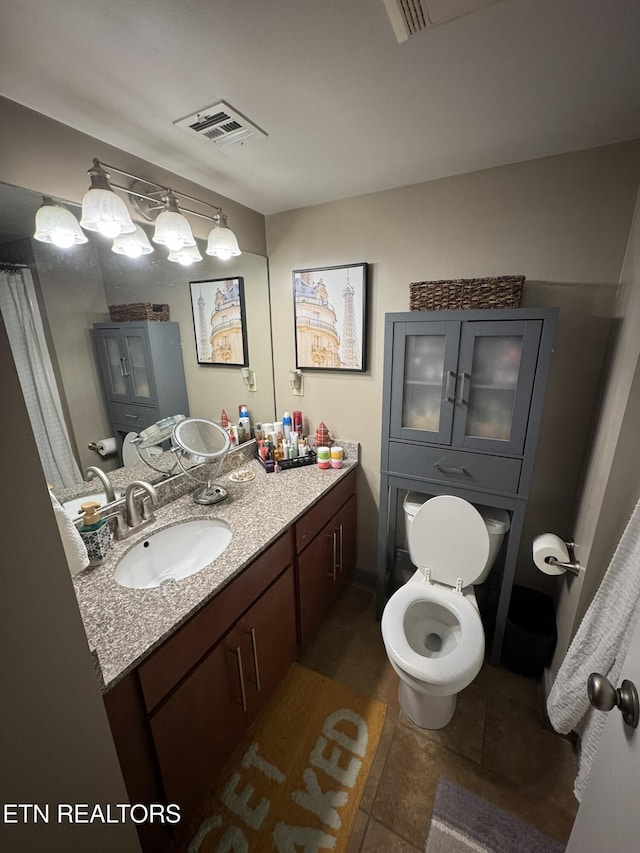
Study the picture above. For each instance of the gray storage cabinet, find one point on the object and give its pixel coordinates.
(462, 402)
(142, 374)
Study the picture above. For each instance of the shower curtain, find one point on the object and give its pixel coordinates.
(22, 319)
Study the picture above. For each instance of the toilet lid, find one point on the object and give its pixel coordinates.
(449, 536)
(129, 452)
(131, 456)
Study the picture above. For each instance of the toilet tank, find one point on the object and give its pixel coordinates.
(496, 520)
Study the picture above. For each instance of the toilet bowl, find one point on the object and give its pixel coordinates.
(431, 626)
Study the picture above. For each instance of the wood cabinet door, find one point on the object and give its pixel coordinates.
(197, 728)
(317, 580)
(267, 634)
(344, 522)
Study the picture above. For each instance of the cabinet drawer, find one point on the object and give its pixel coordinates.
(315, 519)
(456, 467)
(134, 415)
(186, 647)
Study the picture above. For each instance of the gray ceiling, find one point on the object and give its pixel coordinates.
(347, 109)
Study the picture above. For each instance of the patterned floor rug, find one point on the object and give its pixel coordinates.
(297, 781)
(462, 822)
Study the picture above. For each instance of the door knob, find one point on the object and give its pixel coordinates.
(604, 696)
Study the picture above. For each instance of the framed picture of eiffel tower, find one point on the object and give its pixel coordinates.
(330, 310)
(219, 321)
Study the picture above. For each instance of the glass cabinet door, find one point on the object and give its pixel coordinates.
(138, 362)
(424, 380)
(496, 369)
(113, 364)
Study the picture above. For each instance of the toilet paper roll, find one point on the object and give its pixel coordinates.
(106, 446)
(549, 545)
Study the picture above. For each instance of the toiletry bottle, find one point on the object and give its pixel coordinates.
(286, 424)
(244, 422)
(95, 533)
(297, 422)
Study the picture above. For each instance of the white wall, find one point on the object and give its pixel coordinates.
(561, 221)
(612, 471)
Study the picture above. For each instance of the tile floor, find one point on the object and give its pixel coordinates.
(496, 744)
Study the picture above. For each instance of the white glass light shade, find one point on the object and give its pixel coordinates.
(173, 231)
(222, 243)
(55, 224)
(132, 245)
(104, 211)
(186, 256)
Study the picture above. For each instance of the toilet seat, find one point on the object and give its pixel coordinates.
(449, 537)
(462, 663)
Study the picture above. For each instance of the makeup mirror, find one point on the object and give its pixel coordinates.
(196, 441)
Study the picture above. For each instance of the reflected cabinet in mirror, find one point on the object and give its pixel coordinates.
(71, 291)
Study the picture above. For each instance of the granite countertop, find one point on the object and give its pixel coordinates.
(124, 625)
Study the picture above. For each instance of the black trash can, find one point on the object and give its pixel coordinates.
(530, 634)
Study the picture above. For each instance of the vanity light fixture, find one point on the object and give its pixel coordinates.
(186, 256)
(106, 212)
(296, 382)
(222, 241)
(55, 224)
(249, 378)
(132, 245)
(172, 229)
(102, 209)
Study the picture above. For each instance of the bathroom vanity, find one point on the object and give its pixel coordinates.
(462, 403)
(188, 667)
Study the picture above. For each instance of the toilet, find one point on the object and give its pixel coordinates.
(431, 626)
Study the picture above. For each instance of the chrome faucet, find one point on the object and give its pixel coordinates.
(107, 485)
(134, 518)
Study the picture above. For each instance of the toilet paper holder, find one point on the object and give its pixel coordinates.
(572, 566)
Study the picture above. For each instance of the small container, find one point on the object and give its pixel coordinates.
(336, 456)
(297, 422)
(95, 533)
(244, 421)
(277, 427)
(286, 424)
(322, 455)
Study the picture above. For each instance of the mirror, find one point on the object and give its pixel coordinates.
(197, 440)
(75, 288)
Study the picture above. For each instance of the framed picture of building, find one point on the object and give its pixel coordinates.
(330, 309)
(219, 321)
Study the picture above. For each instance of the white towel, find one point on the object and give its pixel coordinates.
(74, 548)
(600, 645)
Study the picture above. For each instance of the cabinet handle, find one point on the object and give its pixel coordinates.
(449, 392)
(243, 695)
(340, 547)
(132, 417)
(254, 649)
(334, 544)
(123, 361)
(451, 469)
(464, 378)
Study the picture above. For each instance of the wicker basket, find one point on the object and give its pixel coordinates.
(503, 291)
(139, 311)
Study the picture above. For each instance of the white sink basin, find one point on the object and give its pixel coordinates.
(173, 553)
(72, 508)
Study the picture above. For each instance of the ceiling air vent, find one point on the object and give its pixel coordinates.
(220, 124)
(409, 17)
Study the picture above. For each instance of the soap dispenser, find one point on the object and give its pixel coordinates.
(95, 533)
